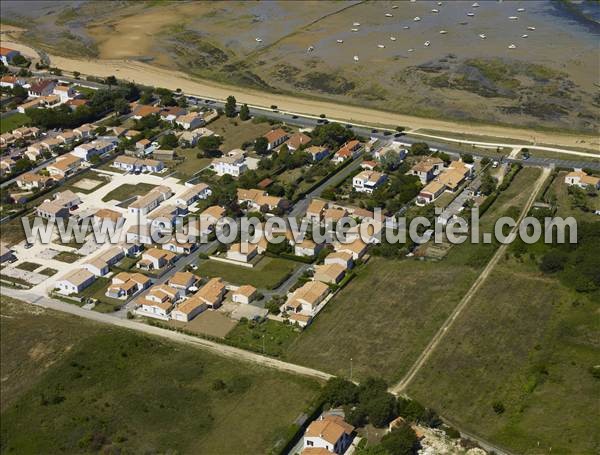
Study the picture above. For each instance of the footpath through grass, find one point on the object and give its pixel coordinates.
(74, 386)
(386, 316)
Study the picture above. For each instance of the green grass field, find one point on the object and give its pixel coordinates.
(77, 387)
(126, 191)
(268, 273)
(528, 343)
(269, 337)
(235, 132)
(191, 164)
(13, 121)
(386, 316)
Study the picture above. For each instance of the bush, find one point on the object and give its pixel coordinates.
(498, 407)
(401, 440)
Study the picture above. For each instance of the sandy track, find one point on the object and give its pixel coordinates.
(160, 77)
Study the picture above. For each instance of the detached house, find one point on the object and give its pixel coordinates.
(329, 432)
(124, 285)
(64, 166)
(297, 140)
(183, 281)
(244, 294)
(43, 87)
(317, 153)
(158, 302)
(368, 181)
(582, 180)
(212, 293)
(349, 150)
(275, 138)
(303, 302)
(154, 259)
(259, 200)
(75, 281)
(193, 193)
(234, 164)
(190, 121)
(427, 169)
(30, 180)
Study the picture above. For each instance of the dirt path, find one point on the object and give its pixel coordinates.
(435, 341)
(220, 349)
(160, 77)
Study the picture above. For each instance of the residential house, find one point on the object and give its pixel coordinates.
(64, 166)
(154, 259)
(150, 200)
(11, 81)
(124, 285)
(141, 110)
(315, 210)
(212, 293)
(582, 180)
(84, 131)
(427, 169)
(169, 114)
(176, 246)
(7, 55)
(307, 248)
(132, 164)
(166, 216)
(329, 273)
(6, 139)
(349, 150)
(96, 266)
(75, 103)
(7, 164)
(29, 181)
(42, 87)
(259, 200)
(368, 181)
(67, 199)
(357, 248)
(190, 121)
(108, 216)
(66, 136)
(130, 248)
(51, 210)
(193, 193)
(191, 138)
(139, 233)
(158, 302)
(65, 92)
(210, 216)
(275, 138)
(303, 302)
(26, 132)
(242, 253)
(183, 281)
(329, 432)
(342, 258)
(317, 152)
(6, 254)
(333, 215)
(188, 309)
(297, 140)
(234, 164)
(75, 281)
(244, 294)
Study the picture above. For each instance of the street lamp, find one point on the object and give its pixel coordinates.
(350, 369)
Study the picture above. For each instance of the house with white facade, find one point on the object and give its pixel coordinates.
(582, 180)
(330, 432)
(75, 281)
(368, 181)
(234, 164)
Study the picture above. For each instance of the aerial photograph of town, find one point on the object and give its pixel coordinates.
(278, 227)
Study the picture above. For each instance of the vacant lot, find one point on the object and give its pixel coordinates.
(529, 344)
(79, 387)
(208, 322)
(29, 266)
(268, 273)
(13, 121)
(235, 132)
(67, 256)
(268, 337)
(190, 165)
(386, 316)
(126, 191)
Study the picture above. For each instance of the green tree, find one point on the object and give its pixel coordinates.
(419, 148)
(260, 145)
(488, 184)
(110, 81)
(339, 391)
(402, 440)
(230, 107)
(168, 141)
(467, 158)
(244, 112)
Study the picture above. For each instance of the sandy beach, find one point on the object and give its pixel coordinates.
(146, 74)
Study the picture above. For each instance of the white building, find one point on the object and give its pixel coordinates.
(368, 181)
(234, 164)
(330, 432)
(75, 281)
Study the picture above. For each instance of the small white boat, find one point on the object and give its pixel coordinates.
(394, 6)
(392, 38)
(525, 36)
(482, 36)
(443, 32)
(340, 41)
(514, 18)
(470, 14)
(530, 28)
(354, 29)
(406, 27)
(475, 5)
(512, 46)
(411, 50)
(417, 19)
(381, 46)
(427, 43)
(356, 58)
(389, 15)
(435, 10)
(356, 24)
(520, 10)
(258, 40)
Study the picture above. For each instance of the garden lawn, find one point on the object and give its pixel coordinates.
(12, 122)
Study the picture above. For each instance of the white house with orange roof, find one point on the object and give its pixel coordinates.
(330, 432)
(275, 138)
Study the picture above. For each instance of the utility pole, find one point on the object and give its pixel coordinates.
(350, 369)
(263, 339)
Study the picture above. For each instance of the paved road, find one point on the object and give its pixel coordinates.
(217, 348)
(438, 337)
